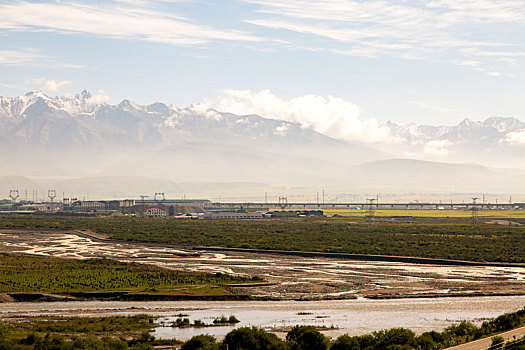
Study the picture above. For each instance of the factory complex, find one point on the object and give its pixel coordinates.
(159, 207)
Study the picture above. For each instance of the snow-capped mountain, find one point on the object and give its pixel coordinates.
(96, 136)
(492, 130)
(81, 135)
(83, 103)
(79, 122)
(495, 141)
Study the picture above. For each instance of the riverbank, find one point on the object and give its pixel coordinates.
(123, 296)
(366, 257)
(117, 296)
(354, 317)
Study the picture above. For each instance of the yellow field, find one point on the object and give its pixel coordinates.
(514, 214)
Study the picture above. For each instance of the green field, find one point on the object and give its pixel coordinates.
(428, 237)
(489, 214)
(28, 274)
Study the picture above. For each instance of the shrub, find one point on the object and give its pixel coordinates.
(498, 339)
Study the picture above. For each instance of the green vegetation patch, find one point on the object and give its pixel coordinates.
(448, 241)
(92, 325)
(482, 214)
(64, 333)
(27, 274)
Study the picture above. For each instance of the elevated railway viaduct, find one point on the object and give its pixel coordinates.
(377, 206)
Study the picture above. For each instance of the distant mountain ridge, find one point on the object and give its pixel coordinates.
(38, 120)
(85, 120)
(492, 130)
(81, 136)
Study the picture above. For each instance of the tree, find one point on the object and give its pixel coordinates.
(394, 336)
(198, 342)
(306, 338)
(426, 342)
(246, 338)
(345, 342)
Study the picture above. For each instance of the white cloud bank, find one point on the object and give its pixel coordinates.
(50, 86)
(516, 138)
(332, 116)
(55, 86)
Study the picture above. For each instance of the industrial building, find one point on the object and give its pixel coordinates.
(232, 215)
(293, 213)
(156, 212)
(200, 203)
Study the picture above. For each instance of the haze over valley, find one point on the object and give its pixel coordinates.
(129, 148)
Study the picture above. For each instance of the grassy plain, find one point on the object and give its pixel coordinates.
(428, 237)
(26, 274)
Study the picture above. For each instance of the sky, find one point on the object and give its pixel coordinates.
(424, 61)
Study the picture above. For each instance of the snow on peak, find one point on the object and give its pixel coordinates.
(127, 105)
(14, 107)
(80, 104)
(83, 103)
(36, 94)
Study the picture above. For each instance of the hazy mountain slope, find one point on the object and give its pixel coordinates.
(21, 184)
(118, 186)
(415, 174)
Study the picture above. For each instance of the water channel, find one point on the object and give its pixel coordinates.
(353, 317)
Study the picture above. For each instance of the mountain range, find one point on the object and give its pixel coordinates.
(496, 141)
(76, 136)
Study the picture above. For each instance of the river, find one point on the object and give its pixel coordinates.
(353, 317)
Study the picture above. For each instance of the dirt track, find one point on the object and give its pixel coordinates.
(295, 277)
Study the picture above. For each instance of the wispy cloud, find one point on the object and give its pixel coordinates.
(117, 20)
(32, 57)
(23, 57)
(457, 32)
